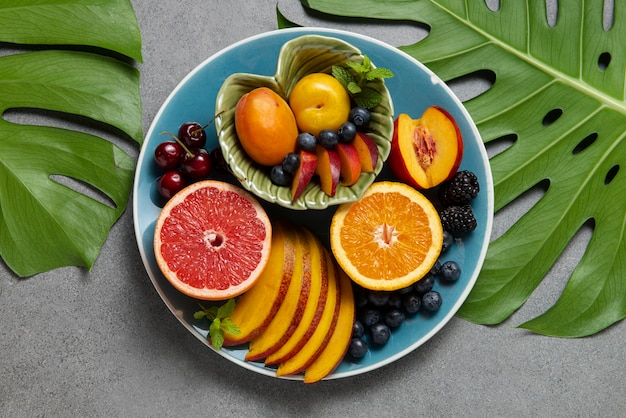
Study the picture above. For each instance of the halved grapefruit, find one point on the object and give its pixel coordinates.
(212, 240)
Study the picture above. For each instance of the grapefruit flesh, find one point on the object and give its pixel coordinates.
(212, 240)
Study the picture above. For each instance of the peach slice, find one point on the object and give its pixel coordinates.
(314, 305)
(350, 164)
(426, 151)
(319, 340)
(303, 175)
(328, 169)
(289, 315)
(368, 151)
(251, 316)
(337, 346)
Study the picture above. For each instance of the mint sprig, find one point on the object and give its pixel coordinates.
(220, 322)
(354, 76)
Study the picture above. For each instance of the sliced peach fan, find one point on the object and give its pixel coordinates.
(389, 239)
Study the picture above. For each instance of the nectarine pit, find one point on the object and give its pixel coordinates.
(425, 147)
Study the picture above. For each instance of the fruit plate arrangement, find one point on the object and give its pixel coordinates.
(413, 88)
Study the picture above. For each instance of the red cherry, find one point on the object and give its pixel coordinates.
(197, 166)
(168, 155)
(171, 183)
(192, 134)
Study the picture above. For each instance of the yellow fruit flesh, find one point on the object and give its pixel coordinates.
(290, 313)
(337, 346)
(314, 306)
(251, 316)
(319, 340)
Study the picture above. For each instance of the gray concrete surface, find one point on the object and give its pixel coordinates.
(102, 343)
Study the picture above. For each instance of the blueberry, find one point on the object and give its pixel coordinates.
(436, 268)
(411, 303)
(306, 141)
(279, 176)
(448, 241)
(395, 301)
(360, 298)
(291, 162)
(360, 116)
(346, 132)
(424, 284)
(405, 290)
(394, 318)
(357, 329)
(370, 317)
(378, 298)
(450, 271)
(380, 333)
(431, 301)
(328, 138)
(358, 348)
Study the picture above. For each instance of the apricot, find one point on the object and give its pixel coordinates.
(319, 101)
(266, 126)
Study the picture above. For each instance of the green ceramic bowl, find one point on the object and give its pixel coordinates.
(301, 56)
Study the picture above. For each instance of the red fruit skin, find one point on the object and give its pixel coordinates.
(368, 151)
(398, 165)
(350, 164)
(328, 169)
(303, 175)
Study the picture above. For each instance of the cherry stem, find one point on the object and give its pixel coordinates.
(187, 151)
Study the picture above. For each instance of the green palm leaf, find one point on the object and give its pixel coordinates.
(62, 190)
(559, 92)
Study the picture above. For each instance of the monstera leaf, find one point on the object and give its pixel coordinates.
(558, 97)
(61, 190)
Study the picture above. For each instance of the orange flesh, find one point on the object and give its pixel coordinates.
(389, 239)
(214, 239)
(388, 246)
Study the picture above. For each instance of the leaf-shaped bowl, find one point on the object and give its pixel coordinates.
(298, 57)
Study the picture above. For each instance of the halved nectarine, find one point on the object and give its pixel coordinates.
(426, 151)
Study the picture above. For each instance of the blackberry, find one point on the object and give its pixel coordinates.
(460, 189)
(458, 219)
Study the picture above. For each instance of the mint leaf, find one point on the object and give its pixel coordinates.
(226, 309)
(342, 75)
(216, 334)
(230, 327)
(379, 73)
(354, 76)
(367, 98)
(353, 88)
(219, 322)
(199, 315)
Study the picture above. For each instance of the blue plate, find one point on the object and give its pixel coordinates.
(413, 89)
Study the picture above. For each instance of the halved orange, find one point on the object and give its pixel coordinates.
(212, 240)
(388, 239)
